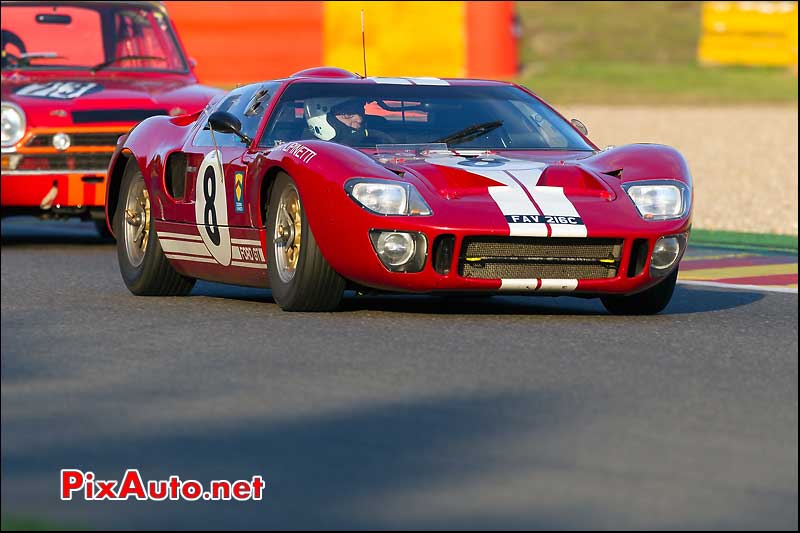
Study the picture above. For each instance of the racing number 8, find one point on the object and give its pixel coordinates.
(210, 213)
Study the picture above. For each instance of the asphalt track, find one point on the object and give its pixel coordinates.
(396, 412)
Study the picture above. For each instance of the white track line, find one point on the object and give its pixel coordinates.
(738, 287)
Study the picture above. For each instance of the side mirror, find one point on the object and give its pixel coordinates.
(224, 122)
(192, 63)
(579, 126)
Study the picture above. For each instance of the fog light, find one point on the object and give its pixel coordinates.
(665, 252)
(61, 141)
(395, 248)
(400, 251)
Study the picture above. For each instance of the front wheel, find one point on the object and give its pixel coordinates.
(144, 267)
(300, 277)
(648, 302)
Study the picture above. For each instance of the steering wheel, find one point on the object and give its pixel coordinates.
(8, 37)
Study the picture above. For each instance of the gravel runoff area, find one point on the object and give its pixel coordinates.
(743, 159)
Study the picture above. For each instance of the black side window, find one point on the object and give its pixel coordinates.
(248, 104)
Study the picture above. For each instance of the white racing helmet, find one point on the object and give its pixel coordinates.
(319, 114)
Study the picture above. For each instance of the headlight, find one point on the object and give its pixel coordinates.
(384, 197)
(659, 200)
(13, 124)
(400, 251)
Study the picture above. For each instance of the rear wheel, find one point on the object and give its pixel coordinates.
(144, 267)
(648, 302)
(300, 277)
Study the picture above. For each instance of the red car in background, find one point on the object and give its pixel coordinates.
(76, 76)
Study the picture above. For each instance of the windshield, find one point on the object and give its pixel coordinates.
(88, 37)
(470, 117)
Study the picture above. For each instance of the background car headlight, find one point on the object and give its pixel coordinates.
(659, 200)
(386, 197)
(13, 124)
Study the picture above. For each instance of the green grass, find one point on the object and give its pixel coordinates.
(787, 243)
(633, 52)
(16, 523)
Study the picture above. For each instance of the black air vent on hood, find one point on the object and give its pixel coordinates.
(115, 115)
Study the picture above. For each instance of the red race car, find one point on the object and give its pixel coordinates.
(327, 181)
(76, 76)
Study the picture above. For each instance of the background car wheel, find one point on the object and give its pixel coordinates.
(648, 302)
(142, 262)
(300, 277)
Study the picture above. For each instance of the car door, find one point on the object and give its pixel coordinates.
(212, 205)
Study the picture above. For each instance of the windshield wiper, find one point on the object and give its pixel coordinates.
(25, 59)
(470, 133)
(110, 62)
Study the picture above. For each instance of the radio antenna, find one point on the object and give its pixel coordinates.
(363, 43)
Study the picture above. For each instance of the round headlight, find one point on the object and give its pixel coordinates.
(665, 252)
(13, 124)
(396, 248)
(61, 141)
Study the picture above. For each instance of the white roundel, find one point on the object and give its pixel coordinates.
(484, 162)
(211, 209)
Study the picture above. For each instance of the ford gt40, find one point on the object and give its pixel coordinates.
(328, 181)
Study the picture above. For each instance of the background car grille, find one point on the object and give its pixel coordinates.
(115, 115)
(539, 257)
(96, 162)
(78, 139)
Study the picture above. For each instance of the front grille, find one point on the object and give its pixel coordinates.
(65, 162)
(78, 139)
(539, 257)
(115, 115)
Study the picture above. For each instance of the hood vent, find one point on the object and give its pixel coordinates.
(115, 115)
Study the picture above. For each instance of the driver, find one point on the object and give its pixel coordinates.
(8, 37)
(341, 120)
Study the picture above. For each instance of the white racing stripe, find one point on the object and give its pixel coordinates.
(539, 285)
(425, 80)
(529, 208)
(246, 242)
(191, 258)
(553, 202)
(559, 285)
(512, 200)
(391, 81)
(185, 236)
(261, 266)
(519, 284)
(184, 247)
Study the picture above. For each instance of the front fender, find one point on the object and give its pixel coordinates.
(146, 143)
(637, 162)
(320, 170)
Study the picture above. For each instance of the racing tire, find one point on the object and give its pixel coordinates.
(300, 277)
(648, 302)
(142, 263)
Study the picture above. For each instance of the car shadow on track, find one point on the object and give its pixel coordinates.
(686, 300)
(20, 231)
(422, 463)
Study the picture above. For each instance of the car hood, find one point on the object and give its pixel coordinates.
(455, 174)
(53, 100)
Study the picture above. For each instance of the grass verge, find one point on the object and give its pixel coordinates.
(734, 239)
(633, 52)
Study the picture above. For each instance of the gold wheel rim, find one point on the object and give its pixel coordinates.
(137, 222)
(288, 233)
